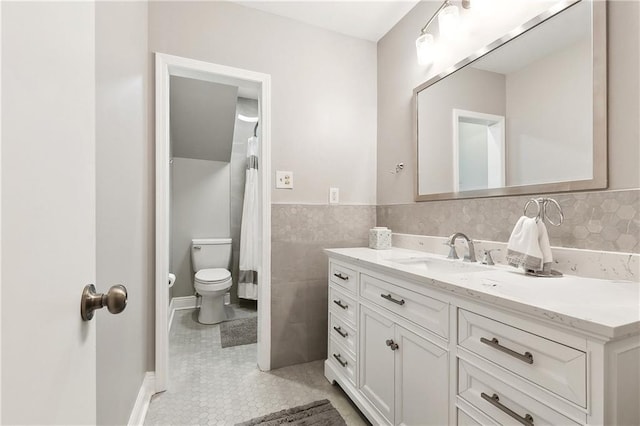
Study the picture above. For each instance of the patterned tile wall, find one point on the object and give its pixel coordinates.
(604, 220)
(299, 273)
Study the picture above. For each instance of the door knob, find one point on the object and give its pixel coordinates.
(115, 300)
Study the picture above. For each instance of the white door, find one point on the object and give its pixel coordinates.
(377, 360)
(422, 381)
(48, 212)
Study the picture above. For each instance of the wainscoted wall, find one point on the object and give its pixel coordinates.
(299, 273)
(604, 220)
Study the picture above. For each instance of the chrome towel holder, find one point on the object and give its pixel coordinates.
(543, 205)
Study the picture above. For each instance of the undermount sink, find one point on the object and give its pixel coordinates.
(440, 265)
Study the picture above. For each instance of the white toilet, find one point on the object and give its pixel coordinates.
(210, 258)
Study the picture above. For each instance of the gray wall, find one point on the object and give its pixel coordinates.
(399, 73)
(124, 205)
(202, 118)
(469, 89)
(242, 132)
(323, 129)
(553, 143)
(200, 208)
(323, 90)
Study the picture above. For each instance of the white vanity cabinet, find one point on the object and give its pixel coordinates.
(417, 351)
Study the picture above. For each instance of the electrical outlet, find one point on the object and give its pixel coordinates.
(284, 180)
(334, 195)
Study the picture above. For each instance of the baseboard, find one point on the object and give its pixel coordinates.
(179, 303)
(147, 389)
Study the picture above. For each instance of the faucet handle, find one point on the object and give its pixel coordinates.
(453, 254)
(487, 259)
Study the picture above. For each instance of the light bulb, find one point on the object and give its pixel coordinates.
(449, 22)
(424, 49)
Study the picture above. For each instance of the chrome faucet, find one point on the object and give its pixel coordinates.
(471, 253)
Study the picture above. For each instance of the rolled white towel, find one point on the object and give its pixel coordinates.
(523, 248)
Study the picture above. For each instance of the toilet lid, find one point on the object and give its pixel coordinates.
(212, 275)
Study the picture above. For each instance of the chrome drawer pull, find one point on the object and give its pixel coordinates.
(494, 400)
(339, 303)
(527, 357)
(339, 359)
(342, 277)
(391, 299)
(340, 332)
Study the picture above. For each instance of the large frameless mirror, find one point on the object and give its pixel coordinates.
(527, 117)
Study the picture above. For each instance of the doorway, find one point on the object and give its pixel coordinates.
(168, 67)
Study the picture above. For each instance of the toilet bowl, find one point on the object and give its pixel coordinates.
(210, 258)
(212, 285)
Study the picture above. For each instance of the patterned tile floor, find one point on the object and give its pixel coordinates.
(209, 385)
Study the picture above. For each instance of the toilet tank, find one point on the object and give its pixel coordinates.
(210, 253)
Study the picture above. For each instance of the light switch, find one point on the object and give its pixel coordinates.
(284, 180)
(334, 195)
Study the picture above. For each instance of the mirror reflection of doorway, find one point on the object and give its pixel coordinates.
(478, 150)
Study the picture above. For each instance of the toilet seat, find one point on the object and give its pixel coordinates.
(212, 275)
(213, 279)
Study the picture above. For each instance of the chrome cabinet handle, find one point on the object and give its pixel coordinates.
(342, 277)
(393, 345)
(494, 400)
(339, 303)
(339, 359)
(115, 300)
(494, 343)
(391, 299)
(340, 332)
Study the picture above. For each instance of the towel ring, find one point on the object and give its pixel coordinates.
(560, 213)
(526, 206)
(542, 214)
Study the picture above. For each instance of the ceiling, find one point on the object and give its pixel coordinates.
(363, 19)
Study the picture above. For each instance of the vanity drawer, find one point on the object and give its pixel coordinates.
(552, 365)
(343, 360)
(343, 333)
(466, 420)
(343, 276)
(501, 402)
(342, 306)
(425, 311)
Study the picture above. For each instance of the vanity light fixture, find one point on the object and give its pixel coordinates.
(448, 21)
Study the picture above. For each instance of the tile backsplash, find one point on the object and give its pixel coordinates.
(604, 220)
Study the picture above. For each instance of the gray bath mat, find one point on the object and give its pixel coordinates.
(239, 332)
(319, 413)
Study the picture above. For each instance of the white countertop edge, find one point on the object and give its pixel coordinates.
(607, 331)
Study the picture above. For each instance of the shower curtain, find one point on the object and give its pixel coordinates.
(250, 227)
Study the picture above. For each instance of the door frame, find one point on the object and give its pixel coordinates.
(167, 65)
(502, 147)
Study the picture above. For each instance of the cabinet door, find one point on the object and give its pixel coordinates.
(377, 361)
(422, 381)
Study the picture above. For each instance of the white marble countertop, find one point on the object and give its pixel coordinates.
(609, 308)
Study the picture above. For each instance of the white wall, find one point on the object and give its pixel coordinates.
(547, 137)
(124, 186)
(200, 208)
(399, 73)
(472, 156)
(323, 89)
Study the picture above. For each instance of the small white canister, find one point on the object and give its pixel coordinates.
(380, 238)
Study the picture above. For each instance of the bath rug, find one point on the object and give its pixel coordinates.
(239, 332)
(318, 413)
